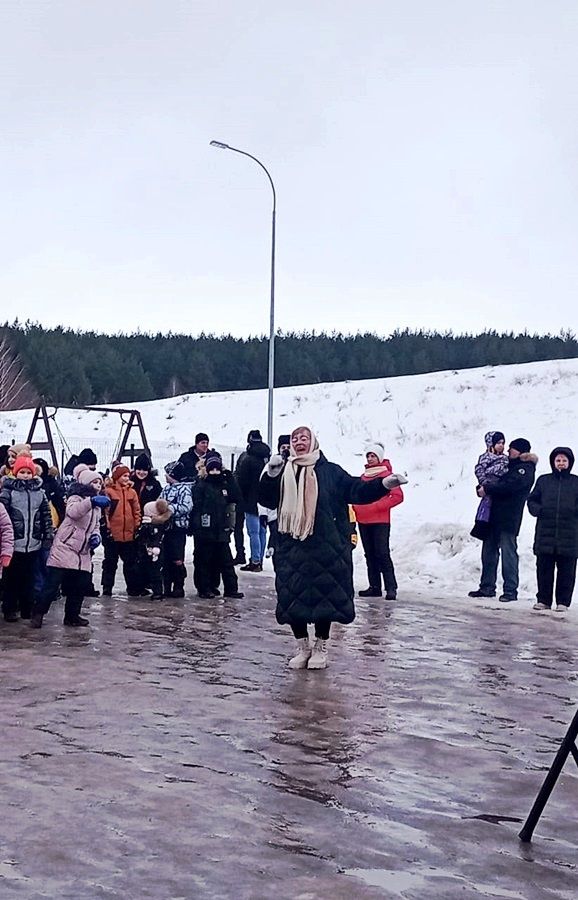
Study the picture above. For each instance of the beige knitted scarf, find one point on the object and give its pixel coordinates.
(298, 502)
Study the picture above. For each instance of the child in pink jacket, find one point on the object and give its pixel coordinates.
(6, 539)
(69, 563)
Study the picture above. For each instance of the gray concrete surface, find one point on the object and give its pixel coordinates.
(167, 752)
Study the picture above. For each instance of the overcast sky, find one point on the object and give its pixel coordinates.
(425, 157)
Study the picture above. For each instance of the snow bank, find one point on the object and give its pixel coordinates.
(431, 425)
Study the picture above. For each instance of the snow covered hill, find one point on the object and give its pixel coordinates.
(432, 427)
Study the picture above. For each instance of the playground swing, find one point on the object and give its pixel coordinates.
(130, 419)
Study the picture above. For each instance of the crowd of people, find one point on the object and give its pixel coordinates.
(293, 505)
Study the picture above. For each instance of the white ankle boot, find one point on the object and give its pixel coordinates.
(319, 656)
(301, 658)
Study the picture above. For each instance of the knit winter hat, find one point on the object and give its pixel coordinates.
(521, 445)
(20, 450)
(81, 467)
(175, 470)
(24, 462)
(283, 439)
(492, 438)
(87, 456)
(254, 435)
(119, 471)
(88, 476)
(213, 460)
(143, 463)
(201, 436)
(376, 448)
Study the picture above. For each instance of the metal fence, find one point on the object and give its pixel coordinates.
(105, 449)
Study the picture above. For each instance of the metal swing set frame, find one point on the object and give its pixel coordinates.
(130, 419)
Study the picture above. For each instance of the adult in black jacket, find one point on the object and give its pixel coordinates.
(314, 570)
(508, 496)
(191, 458)
(554, 502)
(248, 472)
(147, 487)
(215, 493)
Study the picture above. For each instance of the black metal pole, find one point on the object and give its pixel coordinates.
(567, 747)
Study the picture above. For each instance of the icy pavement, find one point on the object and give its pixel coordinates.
(167, 752)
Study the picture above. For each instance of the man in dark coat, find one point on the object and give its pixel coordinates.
(554, 502)
(239, 533)
(314, 569)
(248, 472)
(194, 454)
(508, 496)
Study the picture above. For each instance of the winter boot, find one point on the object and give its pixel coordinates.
(240, 560)
(301, 658)
(252, 567)
(235, 595)
(480, 593)
(539, 605)
(77, 622)
(391, 595)
(36, 620)
(319, 655)
(370, 592)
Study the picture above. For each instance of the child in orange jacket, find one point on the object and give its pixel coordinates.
(122, 519)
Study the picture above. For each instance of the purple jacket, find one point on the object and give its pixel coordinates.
(70, 548)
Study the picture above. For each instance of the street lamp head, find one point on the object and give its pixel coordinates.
(220, 145)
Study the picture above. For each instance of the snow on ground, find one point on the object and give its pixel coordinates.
(432, 427)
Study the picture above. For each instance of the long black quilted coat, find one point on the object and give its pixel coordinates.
(554, 501)
(314, 577)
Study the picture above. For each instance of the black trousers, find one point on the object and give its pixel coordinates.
(239, 533)
(375, 540)
(321, 630)
(213, 561)
(18, 584)
(74, 584)
(548, 564)
(127, 551)
(174, 570)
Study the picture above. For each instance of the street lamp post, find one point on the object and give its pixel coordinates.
(271, 367)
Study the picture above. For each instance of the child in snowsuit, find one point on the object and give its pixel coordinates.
(214, 493)
(151, 535)
(490, 466)
(27, 506)
(69, 562)
(122, 520)
(178, 494)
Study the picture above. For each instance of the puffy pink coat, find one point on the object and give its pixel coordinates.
(70, 548)
(6, 534)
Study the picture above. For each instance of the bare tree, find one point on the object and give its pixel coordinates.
(16, 388)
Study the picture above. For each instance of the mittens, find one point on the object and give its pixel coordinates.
(275, 465)
(100, 501)
(392, 481)
(94, 541)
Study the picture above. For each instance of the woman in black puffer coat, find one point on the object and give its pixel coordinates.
(554, 502)
(314, 569)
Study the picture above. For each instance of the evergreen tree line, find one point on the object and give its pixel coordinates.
(70, 367)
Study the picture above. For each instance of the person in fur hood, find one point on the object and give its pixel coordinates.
(150, 536)
(508, 494)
